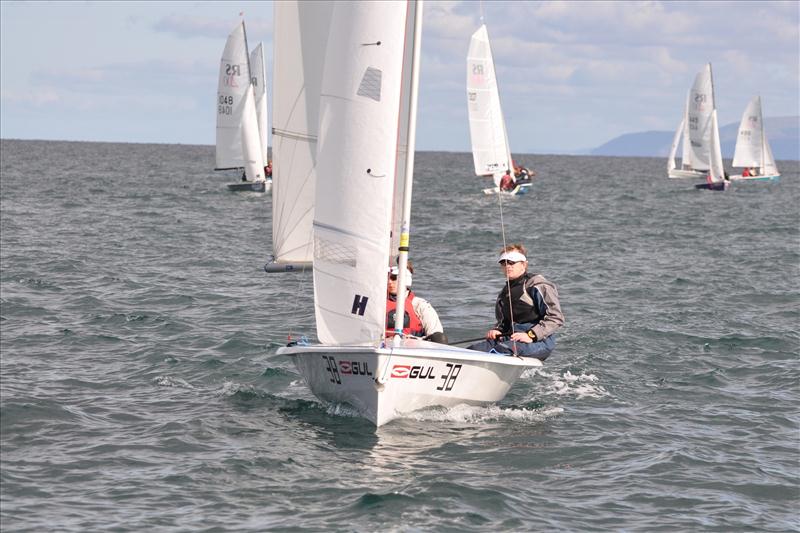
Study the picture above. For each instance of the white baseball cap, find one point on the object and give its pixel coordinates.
(395, 271)
(513, 255)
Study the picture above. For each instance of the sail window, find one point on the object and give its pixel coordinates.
(325, 250)
(371, 84)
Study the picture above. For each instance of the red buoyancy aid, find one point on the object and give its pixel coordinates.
(506, 183)
(412, 325)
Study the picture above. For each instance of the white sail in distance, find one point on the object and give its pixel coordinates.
(752, 148)
(716, 171)
(258, 77)
(698, 129)
(671, 165)
(234, 82)
(490, 150)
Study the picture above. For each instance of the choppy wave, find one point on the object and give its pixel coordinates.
(141, 388)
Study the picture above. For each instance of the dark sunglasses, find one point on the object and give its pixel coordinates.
(505, 262)
(393, 277)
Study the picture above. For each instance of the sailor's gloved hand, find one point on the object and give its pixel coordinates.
(438, 337)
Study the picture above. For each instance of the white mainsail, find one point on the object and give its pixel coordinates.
(359, 121)
(490, 149)
(748, 140)
(752, 148)
(300, 39)
(698, 129)
(259, 80)
(234, 82)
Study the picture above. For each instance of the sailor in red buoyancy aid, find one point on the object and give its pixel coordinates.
(420, 320)
(507, 182)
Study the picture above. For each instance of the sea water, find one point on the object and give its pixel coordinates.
(141, 389)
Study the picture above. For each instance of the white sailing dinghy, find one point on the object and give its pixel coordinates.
(369, 95)
(752, 149)
(491, 153)
(695, 130)
(238, 138)
(715, 179)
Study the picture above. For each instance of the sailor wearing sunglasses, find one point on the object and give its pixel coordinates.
(420, 318)
(527, 310)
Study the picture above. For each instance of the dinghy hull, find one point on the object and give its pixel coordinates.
(678, 173)
(519, 190)
(715, 186)
(739, 177)
(383, 383)
(253, 186)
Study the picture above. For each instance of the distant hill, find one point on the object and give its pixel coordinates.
(783, 134)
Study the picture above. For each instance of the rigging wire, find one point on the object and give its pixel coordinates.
(505, 272)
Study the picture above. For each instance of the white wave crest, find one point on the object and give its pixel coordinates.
(168, 381)
(582, 385)
(472, 414)
(229, 388)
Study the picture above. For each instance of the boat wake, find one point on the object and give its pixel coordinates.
(580, 386)
(492, 413)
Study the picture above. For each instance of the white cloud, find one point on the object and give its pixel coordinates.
(572, 74)
(38, 97)
(187, 27)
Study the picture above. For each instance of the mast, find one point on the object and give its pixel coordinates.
(406, 205)
(247, 53)
(713, 96)
(762, 167)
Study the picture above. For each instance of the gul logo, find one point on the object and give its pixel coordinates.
(354, 368)
(412, 372)
(400, 371)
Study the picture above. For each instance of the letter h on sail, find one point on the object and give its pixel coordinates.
(359, 304)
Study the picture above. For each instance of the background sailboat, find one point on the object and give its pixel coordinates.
(239, 143)
(716, 180)
(368, 95)
(752, 148)
(491, 153)
(695, 130)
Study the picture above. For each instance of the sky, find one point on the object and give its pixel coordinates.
(572, 75)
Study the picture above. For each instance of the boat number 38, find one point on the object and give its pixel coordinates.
(350, 368)
(357, 368)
